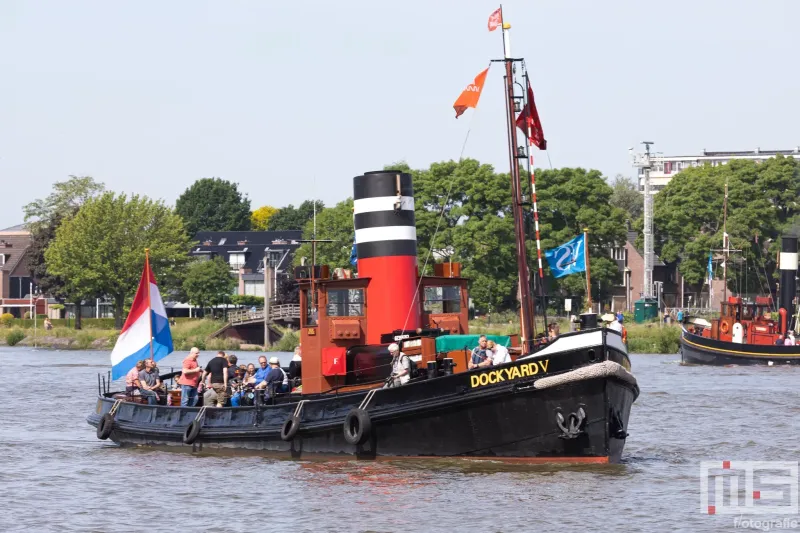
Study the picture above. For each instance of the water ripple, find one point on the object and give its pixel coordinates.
(56, 476)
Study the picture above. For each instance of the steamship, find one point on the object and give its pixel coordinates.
(746, 333)
(565, 400)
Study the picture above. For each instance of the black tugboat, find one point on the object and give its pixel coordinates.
(566, 400)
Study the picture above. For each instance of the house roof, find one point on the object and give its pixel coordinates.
(251, 243)
(19, 229)
(253, 238)
(13, 247)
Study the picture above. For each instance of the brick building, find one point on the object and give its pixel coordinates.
(15, 279)
(630, 261)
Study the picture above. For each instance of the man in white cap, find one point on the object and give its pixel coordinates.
(277, 380)
(401, 367)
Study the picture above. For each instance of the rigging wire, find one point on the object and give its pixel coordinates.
(441, 216)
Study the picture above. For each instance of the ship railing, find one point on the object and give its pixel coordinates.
(688, 311)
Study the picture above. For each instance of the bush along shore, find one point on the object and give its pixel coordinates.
(99, 334)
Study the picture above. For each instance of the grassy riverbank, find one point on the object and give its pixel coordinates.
(99, 336)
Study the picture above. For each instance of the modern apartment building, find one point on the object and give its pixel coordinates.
(663, 168)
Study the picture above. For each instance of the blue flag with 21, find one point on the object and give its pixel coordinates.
(569, 258)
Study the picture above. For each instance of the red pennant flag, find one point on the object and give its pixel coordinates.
(495, 19)
(528, 121)
(470, 96)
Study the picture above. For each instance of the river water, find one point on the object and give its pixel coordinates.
(56, 476)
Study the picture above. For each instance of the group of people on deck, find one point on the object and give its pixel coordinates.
(222, 380)
(490, 353)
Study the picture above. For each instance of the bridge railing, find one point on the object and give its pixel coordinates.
(276, 312)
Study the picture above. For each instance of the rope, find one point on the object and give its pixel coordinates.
(367, 399)
(299, 409)
(598, 370)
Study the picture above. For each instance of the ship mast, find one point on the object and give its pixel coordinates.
(725, 248)
(523, 273)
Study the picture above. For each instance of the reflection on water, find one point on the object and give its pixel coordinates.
(56, 476)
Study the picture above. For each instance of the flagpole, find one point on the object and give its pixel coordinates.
(586, 257)
(531, 171)
(149, 306)
(523, 273)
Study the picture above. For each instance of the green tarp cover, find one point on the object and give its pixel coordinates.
(449, 343)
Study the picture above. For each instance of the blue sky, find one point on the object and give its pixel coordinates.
(293, 99)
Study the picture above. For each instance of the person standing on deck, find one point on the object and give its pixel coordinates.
(217, 370)
(401, 367)
(190, 378)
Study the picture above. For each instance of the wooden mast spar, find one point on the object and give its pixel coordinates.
(523, 273)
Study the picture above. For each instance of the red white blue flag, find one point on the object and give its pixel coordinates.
(146, 331)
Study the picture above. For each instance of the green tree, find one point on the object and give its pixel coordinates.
(574, 199)
(213, 204)
(762, 202)
(626, 196)
(472, 225)
(42, 217)
(259, 219)
(335, 223)
(101, 249)
(208, 282)
(291, 217)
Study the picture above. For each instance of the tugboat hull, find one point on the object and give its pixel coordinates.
(698, 350)
(577, 416)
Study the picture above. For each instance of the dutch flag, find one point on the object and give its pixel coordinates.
(146, 323)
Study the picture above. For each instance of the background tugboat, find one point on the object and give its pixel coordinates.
(746, 334)
(567, 400)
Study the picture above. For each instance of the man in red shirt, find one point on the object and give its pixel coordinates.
(190, 378)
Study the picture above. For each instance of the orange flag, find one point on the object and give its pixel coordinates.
(470, 96)
(495, 19)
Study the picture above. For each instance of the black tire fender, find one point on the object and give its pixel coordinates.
(290, 428)
(357, 426)
(105, 427)
(192, 432)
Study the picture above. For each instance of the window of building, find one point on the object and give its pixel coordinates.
(20, 287)
(345, 302)
(222, 241)
(442, 300)
(236, 260)
(618, 253)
